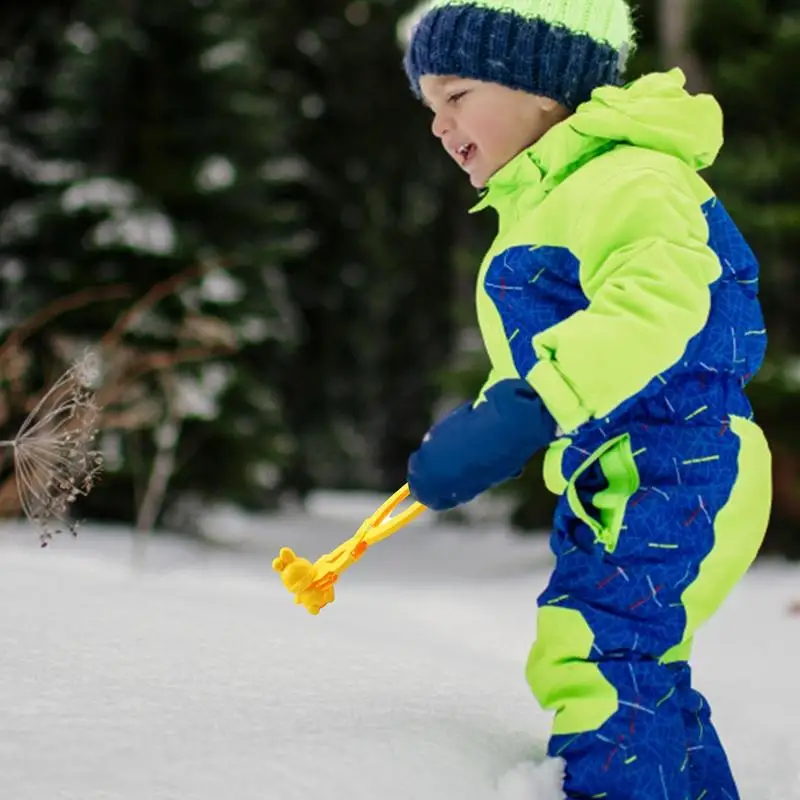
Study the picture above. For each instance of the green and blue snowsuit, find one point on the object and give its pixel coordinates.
(621, 289)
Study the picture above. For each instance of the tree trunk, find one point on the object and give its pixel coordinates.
(675, 20)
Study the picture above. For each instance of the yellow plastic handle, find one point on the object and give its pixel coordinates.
(382, 524)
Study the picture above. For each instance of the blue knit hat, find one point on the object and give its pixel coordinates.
(561, 49)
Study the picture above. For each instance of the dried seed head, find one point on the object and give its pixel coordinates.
(54, 458)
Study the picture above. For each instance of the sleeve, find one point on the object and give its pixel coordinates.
(646, 269)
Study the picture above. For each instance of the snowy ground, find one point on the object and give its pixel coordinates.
(187, 672)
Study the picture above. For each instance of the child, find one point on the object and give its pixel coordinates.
(619, 308)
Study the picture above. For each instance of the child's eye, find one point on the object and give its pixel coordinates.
(454, 98)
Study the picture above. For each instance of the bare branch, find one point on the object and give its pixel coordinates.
(156, 362)
(137, 417)
(151, 298)
(167, 437)
(70, 302)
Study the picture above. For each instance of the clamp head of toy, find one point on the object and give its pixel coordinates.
(302, 579)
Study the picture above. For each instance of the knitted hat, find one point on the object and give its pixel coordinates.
(561, 49)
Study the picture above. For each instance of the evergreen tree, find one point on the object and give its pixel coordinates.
(376, 278)
(139, 136)
(750, 50)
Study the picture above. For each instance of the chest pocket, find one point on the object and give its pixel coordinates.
(614, 480)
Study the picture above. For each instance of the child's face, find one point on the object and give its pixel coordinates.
(484, 125)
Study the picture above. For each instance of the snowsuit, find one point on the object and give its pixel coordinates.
(621, 289)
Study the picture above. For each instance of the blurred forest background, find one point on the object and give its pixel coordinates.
(240, 204)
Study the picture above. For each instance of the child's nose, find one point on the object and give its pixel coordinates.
(440, 125)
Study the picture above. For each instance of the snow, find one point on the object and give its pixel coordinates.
(198, 396)
(23, 163)
(98, 194)
(219, 286)
(312, 106)
(215, 173)
(20, 221)
(146, 230)
(791, 373)
(82, 37)
(159, 668)
(285, 170)
(12, 270)
(253, 329)
(309, 43)
(224, 55)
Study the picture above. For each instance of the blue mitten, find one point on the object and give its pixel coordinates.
(473, 449)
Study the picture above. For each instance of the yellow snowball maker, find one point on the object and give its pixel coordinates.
(312, 584)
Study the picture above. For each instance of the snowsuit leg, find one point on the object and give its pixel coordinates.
(651, 535)
(710, 776)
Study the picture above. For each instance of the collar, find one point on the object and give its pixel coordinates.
(545, 164)
(525, 169)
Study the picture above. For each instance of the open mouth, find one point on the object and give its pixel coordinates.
(465, 154)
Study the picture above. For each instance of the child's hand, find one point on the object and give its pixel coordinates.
(473, 449)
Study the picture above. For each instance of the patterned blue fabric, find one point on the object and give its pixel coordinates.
(660, 744)
(706, 760)
(533, 288)
(631, 599)
(503, 47)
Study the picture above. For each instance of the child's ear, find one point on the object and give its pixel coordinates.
(548, 105)
(552, 109)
